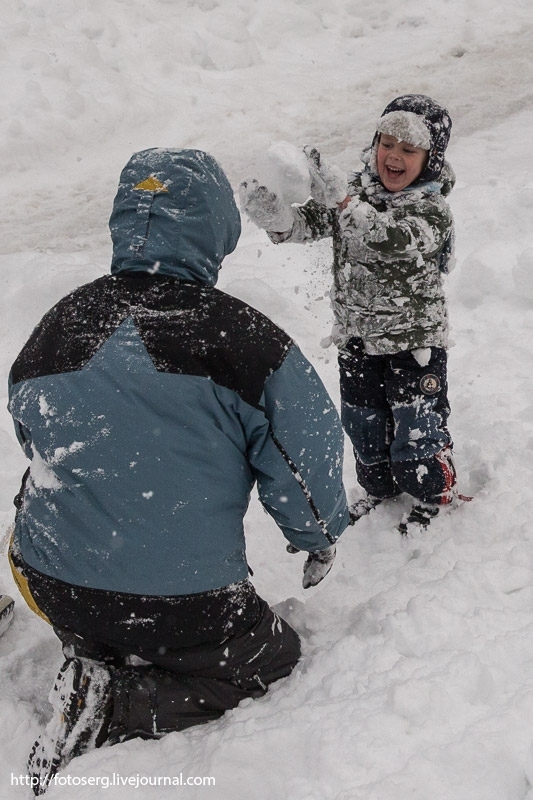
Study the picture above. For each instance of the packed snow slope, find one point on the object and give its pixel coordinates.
(417, 672)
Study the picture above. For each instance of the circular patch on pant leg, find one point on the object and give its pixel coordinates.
(430, 384)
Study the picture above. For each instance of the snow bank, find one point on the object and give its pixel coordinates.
(416, 671)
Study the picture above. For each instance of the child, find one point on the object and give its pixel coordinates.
(392, 244)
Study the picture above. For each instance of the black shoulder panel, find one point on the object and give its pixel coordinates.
(72, 331)
(186, 328)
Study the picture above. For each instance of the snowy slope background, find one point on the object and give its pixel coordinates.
(417, 671)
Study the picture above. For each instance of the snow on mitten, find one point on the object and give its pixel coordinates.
(317, 566)
(264, 208)
(357, 216)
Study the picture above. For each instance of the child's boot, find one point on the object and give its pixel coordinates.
(418, 518)
(363, 506)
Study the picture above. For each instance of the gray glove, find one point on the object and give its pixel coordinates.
(264, 207)
(358, 216)
(328, 183)
(317, 565)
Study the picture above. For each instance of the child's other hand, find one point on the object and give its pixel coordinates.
(264, 207)
(328, 183)
(356, 216)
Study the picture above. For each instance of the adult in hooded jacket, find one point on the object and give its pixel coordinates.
(149, 404)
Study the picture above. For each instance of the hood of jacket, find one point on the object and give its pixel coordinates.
(174, 214)
(420, 121)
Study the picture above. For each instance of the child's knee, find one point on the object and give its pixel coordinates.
(369, 432)
(420, 432)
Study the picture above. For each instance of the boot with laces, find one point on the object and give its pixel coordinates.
(82, 706)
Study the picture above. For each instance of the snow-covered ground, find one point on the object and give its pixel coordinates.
(417, 671)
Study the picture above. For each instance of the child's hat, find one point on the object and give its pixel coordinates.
(418, 120)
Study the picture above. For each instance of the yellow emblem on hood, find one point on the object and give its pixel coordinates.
(151, 184)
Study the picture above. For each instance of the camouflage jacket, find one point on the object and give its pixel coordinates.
(390, 253)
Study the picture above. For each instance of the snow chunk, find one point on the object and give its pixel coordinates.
(45, 409)
(60, 453)
(289, 172)
(422, 355)
(43, 477)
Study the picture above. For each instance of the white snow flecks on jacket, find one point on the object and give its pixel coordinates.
(391, 251)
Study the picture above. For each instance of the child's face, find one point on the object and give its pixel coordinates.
(399, 163)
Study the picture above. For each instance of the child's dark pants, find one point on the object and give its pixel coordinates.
(395, 412)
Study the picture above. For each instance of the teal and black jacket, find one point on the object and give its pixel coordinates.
(150, 404)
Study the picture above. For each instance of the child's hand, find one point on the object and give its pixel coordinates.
(356, 216)
(328, 183)
(264, 207)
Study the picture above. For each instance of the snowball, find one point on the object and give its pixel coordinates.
(289, 171)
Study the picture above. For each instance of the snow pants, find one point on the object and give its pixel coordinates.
(174, 661)
(395, 412)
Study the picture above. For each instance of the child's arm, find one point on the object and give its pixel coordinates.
(286, 222)
(422, 226)
(310, 222)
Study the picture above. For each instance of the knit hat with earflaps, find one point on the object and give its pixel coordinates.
(419, 121)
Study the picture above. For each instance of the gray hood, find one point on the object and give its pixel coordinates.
(174, 214)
